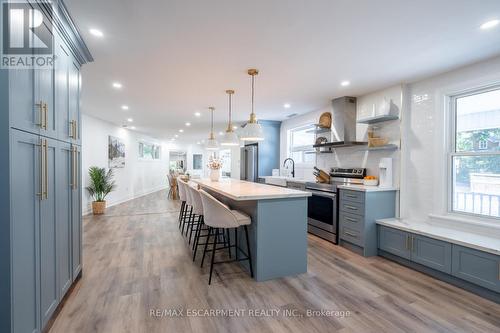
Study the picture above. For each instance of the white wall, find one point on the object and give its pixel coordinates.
(425, 141)
(137, 178)
(348, 157)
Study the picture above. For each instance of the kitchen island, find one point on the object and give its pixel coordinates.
(278, 233)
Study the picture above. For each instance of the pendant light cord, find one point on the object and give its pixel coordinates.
(253, 92)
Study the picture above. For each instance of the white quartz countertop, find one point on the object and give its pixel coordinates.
(465, 238)
(365, 188)
(241, 190)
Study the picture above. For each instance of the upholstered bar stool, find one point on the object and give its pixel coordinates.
(219, 218)
(189, 208)
(182, 197)
(198, 227)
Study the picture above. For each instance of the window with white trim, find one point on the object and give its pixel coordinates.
(475, 153)
(300, 141)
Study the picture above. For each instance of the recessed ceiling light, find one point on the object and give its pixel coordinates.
(198, 143)
(176, 136)
(96, 32)
(286, 105)
(221, 133)
(124, 107)
(197, 114)
(489, 24)
(181, 131)
(345, 83)
(117, 85)
(132, 127)
(130, 120)
(188, 124)
(235, 127)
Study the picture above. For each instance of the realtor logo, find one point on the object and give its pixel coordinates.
(27, 39)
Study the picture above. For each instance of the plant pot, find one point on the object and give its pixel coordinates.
(98, 207)
(214, 175)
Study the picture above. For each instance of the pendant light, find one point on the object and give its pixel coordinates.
(252, 130)
(212, 144)
(230, 137)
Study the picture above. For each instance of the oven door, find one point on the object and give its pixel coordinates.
(322, 210)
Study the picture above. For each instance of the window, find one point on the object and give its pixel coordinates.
(300, 141)
(225, 156)
(197, 161)
(475, 153)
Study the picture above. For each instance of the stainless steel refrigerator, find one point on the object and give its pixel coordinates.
(248, 163)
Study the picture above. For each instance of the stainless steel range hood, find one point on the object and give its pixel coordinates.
(343, 124)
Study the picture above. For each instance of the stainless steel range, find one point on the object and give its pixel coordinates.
(322, 206)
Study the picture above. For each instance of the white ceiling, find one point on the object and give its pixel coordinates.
(176, 57)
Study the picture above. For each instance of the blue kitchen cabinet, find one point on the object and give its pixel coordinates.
(358, 212)
(74, 101)
(26, 179)
(76, 209)
(64, 193)
(48, 230)
(40, 229)
(431, 252)
(394, 241)
(475, 266)
(423, 250)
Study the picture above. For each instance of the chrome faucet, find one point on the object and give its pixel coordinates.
(293, 165)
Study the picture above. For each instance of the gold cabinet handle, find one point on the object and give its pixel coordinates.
(73, 129)
(407, 242)
(351, 196)
(41, 113)
(42, 173)
(411, 243)
(75, 167)
(351, 219)
(46, 190)
(45, 115)
(71, 132)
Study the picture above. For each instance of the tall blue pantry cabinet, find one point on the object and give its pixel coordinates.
(40, 179)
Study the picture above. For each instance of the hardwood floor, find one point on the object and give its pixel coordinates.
(136, 261)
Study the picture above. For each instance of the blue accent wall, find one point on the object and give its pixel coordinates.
(269, 149)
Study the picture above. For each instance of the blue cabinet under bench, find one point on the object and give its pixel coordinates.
(468, 268)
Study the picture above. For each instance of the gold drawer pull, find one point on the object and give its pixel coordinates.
(350, 207)
(351, 195)
(351, 219)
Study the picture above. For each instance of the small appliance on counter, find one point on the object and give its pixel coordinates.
(385, 172)
(322, 212)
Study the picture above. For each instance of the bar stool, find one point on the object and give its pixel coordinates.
(219, 218)
(189, 208)
(198, 226)
(182, 197)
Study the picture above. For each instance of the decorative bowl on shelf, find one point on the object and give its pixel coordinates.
(370, 181)
(377, 142)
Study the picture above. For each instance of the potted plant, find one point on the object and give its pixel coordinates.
(101, 184)
(214, 164)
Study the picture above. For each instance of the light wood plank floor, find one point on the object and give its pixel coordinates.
(136, 260)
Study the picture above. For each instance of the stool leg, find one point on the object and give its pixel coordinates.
(192, 227)
(248, 249)
(236, 243)
(181, 213)
(197, 238)
(198, 225)
(228, 243)
(206, 246)
(213, 257)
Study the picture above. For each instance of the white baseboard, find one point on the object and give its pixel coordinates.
(88, 210)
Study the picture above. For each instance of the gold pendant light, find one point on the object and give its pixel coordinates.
(212, 143)
(252, 130)
(230, 137)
